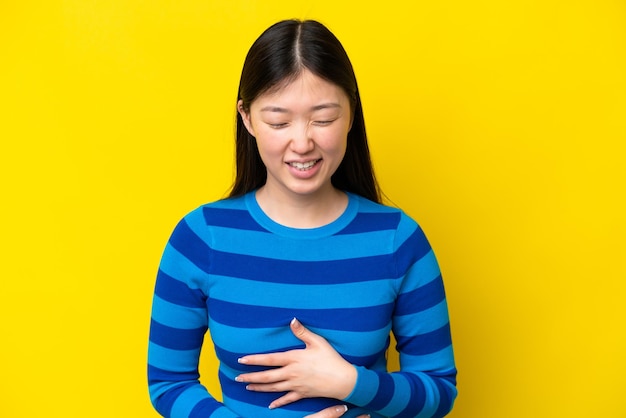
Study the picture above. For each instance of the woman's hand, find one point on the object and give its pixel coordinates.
(332, 412)
(315, 371)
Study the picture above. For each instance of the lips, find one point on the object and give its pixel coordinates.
(303, 166)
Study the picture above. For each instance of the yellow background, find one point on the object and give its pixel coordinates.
(498, 125)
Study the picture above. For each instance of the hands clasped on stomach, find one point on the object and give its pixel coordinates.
(314, 371)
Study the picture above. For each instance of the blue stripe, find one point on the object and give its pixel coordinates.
(347, 319)
(401, 398)
(244, 409)
(189, 244)
(370, 222)
(236, 340)
(420, 299)
(303, 272)
(365, 361)
(177, 292)
(231, 218)
(418, 396)
(364, 346)
(188, 399)
(282, 295)
(445, 399)
(175, 360)
(205, 408)
(179, 267)
(260, 244)
(386, 387)
(230, 203)
(177, 316)
(449, 374)
(157, 375)
(176, 338)
(166, 401)
(423, 271)
(439, 360)
(428, 343)
(424, 321)
(411, 250)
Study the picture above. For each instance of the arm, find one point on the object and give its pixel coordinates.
(425, 386)
(177, 329)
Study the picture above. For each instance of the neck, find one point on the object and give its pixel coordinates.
(302, 211)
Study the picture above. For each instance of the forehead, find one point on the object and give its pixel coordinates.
(306, 86)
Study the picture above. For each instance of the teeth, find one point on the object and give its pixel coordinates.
(303, 166)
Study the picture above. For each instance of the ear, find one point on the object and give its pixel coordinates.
(245, 116)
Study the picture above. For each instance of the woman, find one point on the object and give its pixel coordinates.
(301, 274)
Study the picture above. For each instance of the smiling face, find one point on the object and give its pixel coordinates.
(301, 132)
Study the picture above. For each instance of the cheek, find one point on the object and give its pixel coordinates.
(268, 145)
(335, 142)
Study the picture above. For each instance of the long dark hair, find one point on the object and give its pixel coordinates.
(278, 56)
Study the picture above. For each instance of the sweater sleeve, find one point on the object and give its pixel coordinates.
(425, 385)
(177, 328)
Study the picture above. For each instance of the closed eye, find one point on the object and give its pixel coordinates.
(277, 125)
(323, 122)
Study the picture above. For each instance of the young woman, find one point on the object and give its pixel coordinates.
(301, 274)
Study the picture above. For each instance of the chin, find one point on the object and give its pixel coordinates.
(308, 190)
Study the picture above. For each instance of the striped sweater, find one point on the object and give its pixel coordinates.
(230, 269)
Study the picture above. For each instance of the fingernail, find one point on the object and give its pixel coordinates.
(242, 360)
(342, 408)
(295, 322)
(238, 379)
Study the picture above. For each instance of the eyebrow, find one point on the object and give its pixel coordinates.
(314, 108)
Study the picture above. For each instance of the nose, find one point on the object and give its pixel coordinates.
(302, 140)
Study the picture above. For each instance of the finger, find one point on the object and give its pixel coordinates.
(268, 387)
(264, 377)
(285, 400)
(332, 412)
(302, 333)
(271, 359)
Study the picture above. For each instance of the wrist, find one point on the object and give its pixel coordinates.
(347, 381)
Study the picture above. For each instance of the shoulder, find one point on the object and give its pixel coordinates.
(389, 215)
(216, 209)
(216, 213)
(407, 233)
